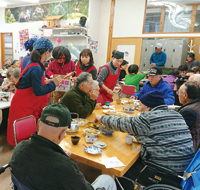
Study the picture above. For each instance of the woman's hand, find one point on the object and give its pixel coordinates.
(109, 91)
(57, 80)
(69, 75)
(10, 84)
(48, 81)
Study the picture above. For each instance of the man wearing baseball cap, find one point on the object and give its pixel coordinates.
(156, 83)
(158, 58)
(163, 134)
(40, 163)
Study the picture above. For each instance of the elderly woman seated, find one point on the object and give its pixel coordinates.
(11, 79)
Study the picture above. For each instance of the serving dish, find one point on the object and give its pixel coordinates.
(91, 131)
(93, 150)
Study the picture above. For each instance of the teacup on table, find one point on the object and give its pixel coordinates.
(129, 139)
(75, 139)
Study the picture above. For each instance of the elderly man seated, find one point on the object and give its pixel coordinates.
(188, 95)
(163, 133)
(156, 83)
(40, 163)
(81, 99)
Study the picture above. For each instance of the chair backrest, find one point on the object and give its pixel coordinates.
(23, 128)
(193, 182)
(17, 184)
(128, 89)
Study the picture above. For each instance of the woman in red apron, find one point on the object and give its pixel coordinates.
(85, 64)
(31, 95)
(108, 77)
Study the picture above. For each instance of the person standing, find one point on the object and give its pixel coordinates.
(30, 97)
(29, 47)
(85, 64)
(158, 58)
(62, 64)
(108, 77)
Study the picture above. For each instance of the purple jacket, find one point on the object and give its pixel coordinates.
(169, 79)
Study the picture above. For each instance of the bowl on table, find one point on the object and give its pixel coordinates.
(128, 108)
(105, 130)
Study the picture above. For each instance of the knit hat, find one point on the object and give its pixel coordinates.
(153, 99)
(155, 70)
(60, 115)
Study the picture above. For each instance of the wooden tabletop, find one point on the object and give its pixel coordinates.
(115, 146)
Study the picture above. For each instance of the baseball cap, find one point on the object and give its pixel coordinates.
(159, 45)
(56, 115)
(155, 70)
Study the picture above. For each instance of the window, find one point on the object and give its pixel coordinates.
(152, 22)
(197, 21)
(177, 19)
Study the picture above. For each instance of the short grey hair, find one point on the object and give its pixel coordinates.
(16, 73)
(196, 78)
(83, 78)
(95, 84)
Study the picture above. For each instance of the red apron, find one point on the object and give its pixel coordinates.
(25, 103)
(110, 83)
(78, 71)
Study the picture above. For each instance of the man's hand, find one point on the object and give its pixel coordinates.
(132, 97)
(97, 119)
(153, 64)
(57, 80)
(68, 75)
(98, 106)
(94, 94)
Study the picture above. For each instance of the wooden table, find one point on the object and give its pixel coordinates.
(115, 146)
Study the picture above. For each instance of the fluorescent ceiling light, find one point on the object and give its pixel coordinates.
(32, 1)
(3, 4)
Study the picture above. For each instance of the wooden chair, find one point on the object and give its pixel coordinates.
(23, 128)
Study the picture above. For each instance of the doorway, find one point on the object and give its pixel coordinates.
(6, 47)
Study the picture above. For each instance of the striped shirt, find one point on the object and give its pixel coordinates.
(163, 133)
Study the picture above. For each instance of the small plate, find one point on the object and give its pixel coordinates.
(93, 150)
(99, 144)
(90, 133)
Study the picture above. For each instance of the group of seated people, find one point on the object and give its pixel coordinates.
(168, 137)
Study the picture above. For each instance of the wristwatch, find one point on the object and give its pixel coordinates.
(100, 188)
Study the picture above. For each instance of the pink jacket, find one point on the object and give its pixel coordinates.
(4, 87)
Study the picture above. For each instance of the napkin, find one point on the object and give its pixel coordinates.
(113, 162)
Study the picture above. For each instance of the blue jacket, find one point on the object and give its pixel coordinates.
(33, 78)
(25, 60)
(162, 86)
(159, 59)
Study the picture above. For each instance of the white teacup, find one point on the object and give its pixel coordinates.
(129, 139)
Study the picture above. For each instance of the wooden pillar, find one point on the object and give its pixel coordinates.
(112, 11)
